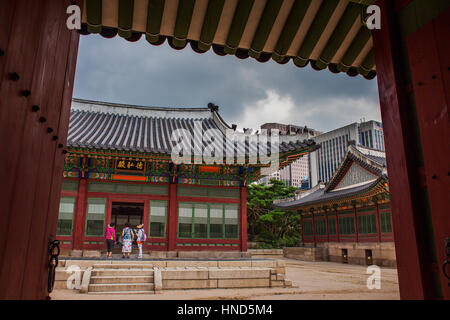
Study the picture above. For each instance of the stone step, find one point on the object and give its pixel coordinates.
(123, 266)
(122, 272)
(121, 279)
(122, 292)
(108, 287)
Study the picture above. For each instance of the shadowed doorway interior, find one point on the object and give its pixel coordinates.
(125, 212)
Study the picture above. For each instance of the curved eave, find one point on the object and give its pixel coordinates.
(325, 34)
(376, 185)
(131, 154)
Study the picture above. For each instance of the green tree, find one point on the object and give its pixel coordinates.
(269, 225)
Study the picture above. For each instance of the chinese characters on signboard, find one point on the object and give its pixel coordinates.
(130, 165)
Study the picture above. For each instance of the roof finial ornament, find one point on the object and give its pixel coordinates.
(213, 107)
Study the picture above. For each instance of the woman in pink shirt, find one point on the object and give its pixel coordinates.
(110, 239)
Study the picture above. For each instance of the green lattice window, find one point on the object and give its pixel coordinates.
(65, 217)
(307, 228)
(208, 221)
(332, 226)
(346, 225)
(95, 217)
(216, 225)
(158, 211)
(367, 224)
(200, 221)
(128, 188)
(320, 227)
(189, 191)
(231, 221)
(385, 221)
(69, 185)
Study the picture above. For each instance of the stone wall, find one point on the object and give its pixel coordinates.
(383, 254)
(306, 253)
(266, 253)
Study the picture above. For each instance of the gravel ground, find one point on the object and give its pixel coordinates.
(315, 281)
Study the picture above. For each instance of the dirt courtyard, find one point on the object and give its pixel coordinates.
(314, 280)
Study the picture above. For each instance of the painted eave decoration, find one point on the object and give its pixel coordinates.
(323, 33)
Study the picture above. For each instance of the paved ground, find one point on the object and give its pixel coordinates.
(315, 280)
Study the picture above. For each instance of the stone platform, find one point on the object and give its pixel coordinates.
(219, 254)
(114, 276)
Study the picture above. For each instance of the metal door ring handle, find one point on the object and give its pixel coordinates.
(444, 269)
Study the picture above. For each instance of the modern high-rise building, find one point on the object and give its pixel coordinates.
(325, 161)
(298, 171)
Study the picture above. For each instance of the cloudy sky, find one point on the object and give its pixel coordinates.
(248, 93)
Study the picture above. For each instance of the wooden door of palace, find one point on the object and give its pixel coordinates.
(37, 66)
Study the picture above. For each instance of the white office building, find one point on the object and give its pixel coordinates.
(324, 162)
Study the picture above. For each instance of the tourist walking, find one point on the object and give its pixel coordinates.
(110, 239)
(127, 241)
(141, 237)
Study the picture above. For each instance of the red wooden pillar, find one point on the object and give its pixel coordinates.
(430, 71)
(356, 223)
(378, 222)
(302, 227)
(412, 221)
(243, 219)
(80, 215)
(326, 225)
(313, 226)
(337, 225)
(146, 218)
(172, 218)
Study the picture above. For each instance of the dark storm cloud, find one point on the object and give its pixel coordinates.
(248, 92)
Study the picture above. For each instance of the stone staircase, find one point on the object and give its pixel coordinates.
(154, 276)
(121, 279)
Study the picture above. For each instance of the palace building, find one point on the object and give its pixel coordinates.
(349, 218)
(119, 168)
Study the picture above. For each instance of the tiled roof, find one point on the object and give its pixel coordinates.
(379, 160)
(323, 33)
(100, 125)
(321, 195)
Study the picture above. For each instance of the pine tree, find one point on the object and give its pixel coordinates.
(269, 225)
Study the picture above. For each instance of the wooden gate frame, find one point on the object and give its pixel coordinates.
(37, 65)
